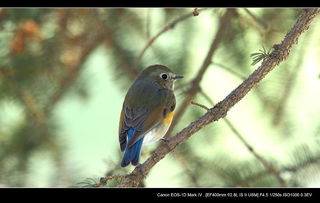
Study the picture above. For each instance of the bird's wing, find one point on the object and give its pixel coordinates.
(141, 120)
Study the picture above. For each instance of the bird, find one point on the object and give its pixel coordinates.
(147, 111)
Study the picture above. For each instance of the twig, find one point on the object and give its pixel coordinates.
(196, 12)
(2, 11)
(148, 19)
(104, 180)
(258, 20)
(180, 158)
(263, 161)
(163, 30)
(220, 110)
(230, 70)
(200, 105)
(224, 20)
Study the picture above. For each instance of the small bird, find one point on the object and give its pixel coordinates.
(147, 111)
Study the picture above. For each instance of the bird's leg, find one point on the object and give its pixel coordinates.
(164, 139)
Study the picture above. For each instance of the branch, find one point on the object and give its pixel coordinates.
(200, 105)
(75, 68)
(32, 106)
(148, 23)
(224, 20)
(220, 110)
(187, 170)
(290, 169)
(230, 70)
(258, 20)
(269, 167)
(163, 30)
(2, 11)
(104, 180)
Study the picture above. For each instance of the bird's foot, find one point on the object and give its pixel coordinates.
(164, 139)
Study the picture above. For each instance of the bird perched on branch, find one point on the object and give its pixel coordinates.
(147, 111)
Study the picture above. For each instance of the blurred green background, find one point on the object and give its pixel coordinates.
(64, 74)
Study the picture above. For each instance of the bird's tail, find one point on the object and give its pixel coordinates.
(132, 154)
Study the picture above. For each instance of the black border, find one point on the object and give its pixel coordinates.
(158, 194)
(158, 4)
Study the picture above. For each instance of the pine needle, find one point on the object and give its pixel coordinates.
(88, 182)
(261, 55)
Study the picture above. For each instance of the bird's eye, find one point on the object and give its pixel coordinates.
(164, 76)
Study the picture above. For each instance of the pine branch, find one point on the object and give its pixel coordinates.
(194, 89)
(33, 109)
(269, 167)
(220, 110)
(75, 68)
(163, 30)
(104, 180)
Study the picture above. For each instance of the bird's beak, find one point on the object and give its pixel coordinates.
(177, 77)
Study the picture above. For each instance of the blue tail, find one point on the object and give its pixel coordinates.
(132, 154)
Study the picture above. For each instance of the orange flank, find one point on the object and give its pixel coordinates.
(168, 118)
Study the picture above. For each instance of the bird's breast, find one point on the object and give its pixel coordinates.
(158, 131)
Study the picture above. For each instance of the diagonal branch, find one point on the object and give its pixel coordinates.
(163, 30)
(187, 169)
(230, 70)
(258, 20)
(220, 110)
(224, 20)
(269, 167)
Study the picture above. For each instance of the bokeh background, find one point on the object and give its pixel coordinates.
(64, 74)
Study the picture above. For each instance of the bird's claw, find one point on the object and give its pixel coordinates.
(164, 139)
